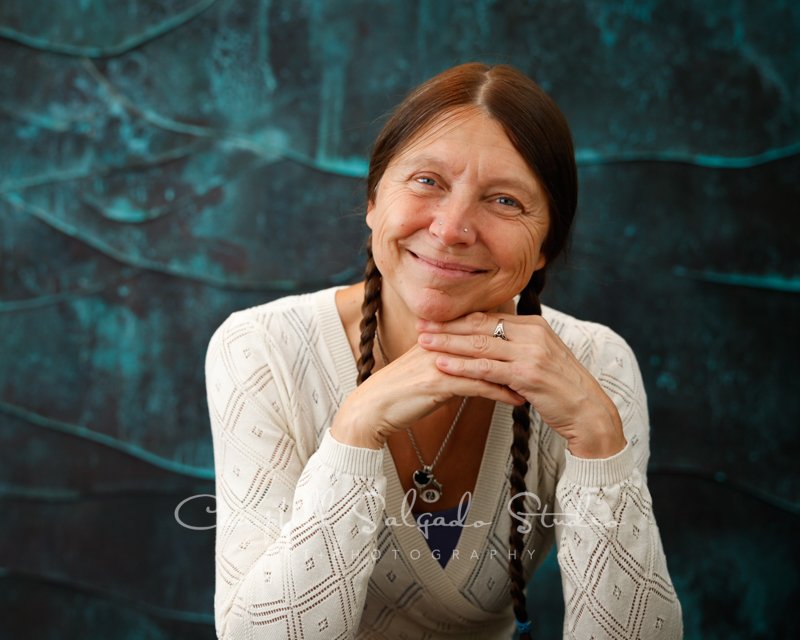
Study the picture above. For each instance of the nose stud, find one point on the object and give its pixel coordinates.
(439, 222)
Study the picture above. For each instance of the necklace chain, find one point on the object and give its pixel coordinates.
(444, 442)
(423, 478)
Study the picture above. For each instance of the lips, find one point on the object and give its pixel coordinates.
(447, 265)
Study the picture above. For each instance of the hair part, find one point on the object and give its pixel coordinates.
(530, 118)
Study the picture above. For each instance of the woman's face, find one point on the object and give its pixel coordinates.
(458, 220)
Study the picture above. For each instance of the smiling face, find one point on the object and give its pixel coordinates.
(458, 220)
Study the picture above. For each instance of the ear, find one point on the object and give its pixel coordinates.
(541, 263)
(370, 209)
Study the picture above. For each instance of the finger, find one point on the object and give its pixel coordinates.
(476, 368)
(462, 386)
(514, 327)
(472, 323)
(474, 345)
(471, 386)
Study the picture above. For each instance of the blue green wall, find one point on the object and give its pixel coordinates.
(163, 163)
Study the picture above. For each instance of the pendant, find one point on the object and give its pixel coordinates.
(422, 477)
(431, 493)
(429, 488)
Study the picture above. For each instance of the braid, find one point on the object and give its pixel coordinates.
(520, 451)
(520, 454)
(369, 315)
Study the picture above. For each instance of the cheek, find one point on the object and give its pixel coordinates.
(398, 215)
(519, 254)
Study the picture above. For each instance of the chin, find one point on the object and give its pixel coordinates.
(441, 307)
(433, 305)
(439, 315)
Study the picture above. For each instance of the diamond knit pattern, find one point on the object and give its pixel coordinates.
(312, 539)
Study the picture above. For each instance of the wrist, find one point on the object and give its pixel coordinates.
(605, 438)
(598, 448)
(347, 430)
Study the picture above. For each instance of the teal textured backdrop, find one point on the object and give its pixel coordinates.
(164, 163)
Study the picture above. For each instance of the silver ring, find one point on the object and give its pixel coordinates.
(499, 332)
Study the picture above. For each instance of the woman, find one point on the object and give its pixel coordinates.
(395, 458)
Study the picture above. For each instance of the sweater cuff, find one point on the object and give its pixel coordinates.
(599, 472)
(354, 461)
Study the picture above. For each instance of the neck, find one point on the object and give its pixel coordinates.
(397, 323)
(397, 336)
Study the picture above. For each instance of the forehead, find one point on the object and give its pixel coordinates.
(464, 139)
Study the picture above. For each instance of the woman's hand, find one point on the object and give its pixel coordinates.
(397, 395)
(535, 364)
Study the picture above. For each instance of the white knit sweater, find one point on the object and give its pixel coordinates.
(312, 540)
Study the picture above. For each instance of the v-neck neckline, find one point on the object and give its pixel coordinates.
(488, 486)
(479, 518)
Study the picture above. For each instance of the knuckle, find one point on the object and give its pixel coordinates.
(539, 331)
(536, 374)
(480, 342)
(536, 353)
(477, 320)
(540, 322)
(530, 372)
(484, 365)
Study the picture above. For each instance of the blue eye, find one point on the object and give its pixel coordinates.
(426, 180)
(508, 202)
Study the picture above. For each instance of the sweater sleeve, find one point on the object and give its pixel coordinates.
(613, 569)
(295, 540)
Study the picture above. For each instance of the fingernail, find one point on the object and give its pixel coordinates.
(425, 338)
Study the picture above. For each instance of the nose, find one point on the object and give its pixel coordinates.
(453, 222)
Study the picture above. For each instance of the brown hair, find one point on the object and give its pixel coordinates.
(539, 132)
